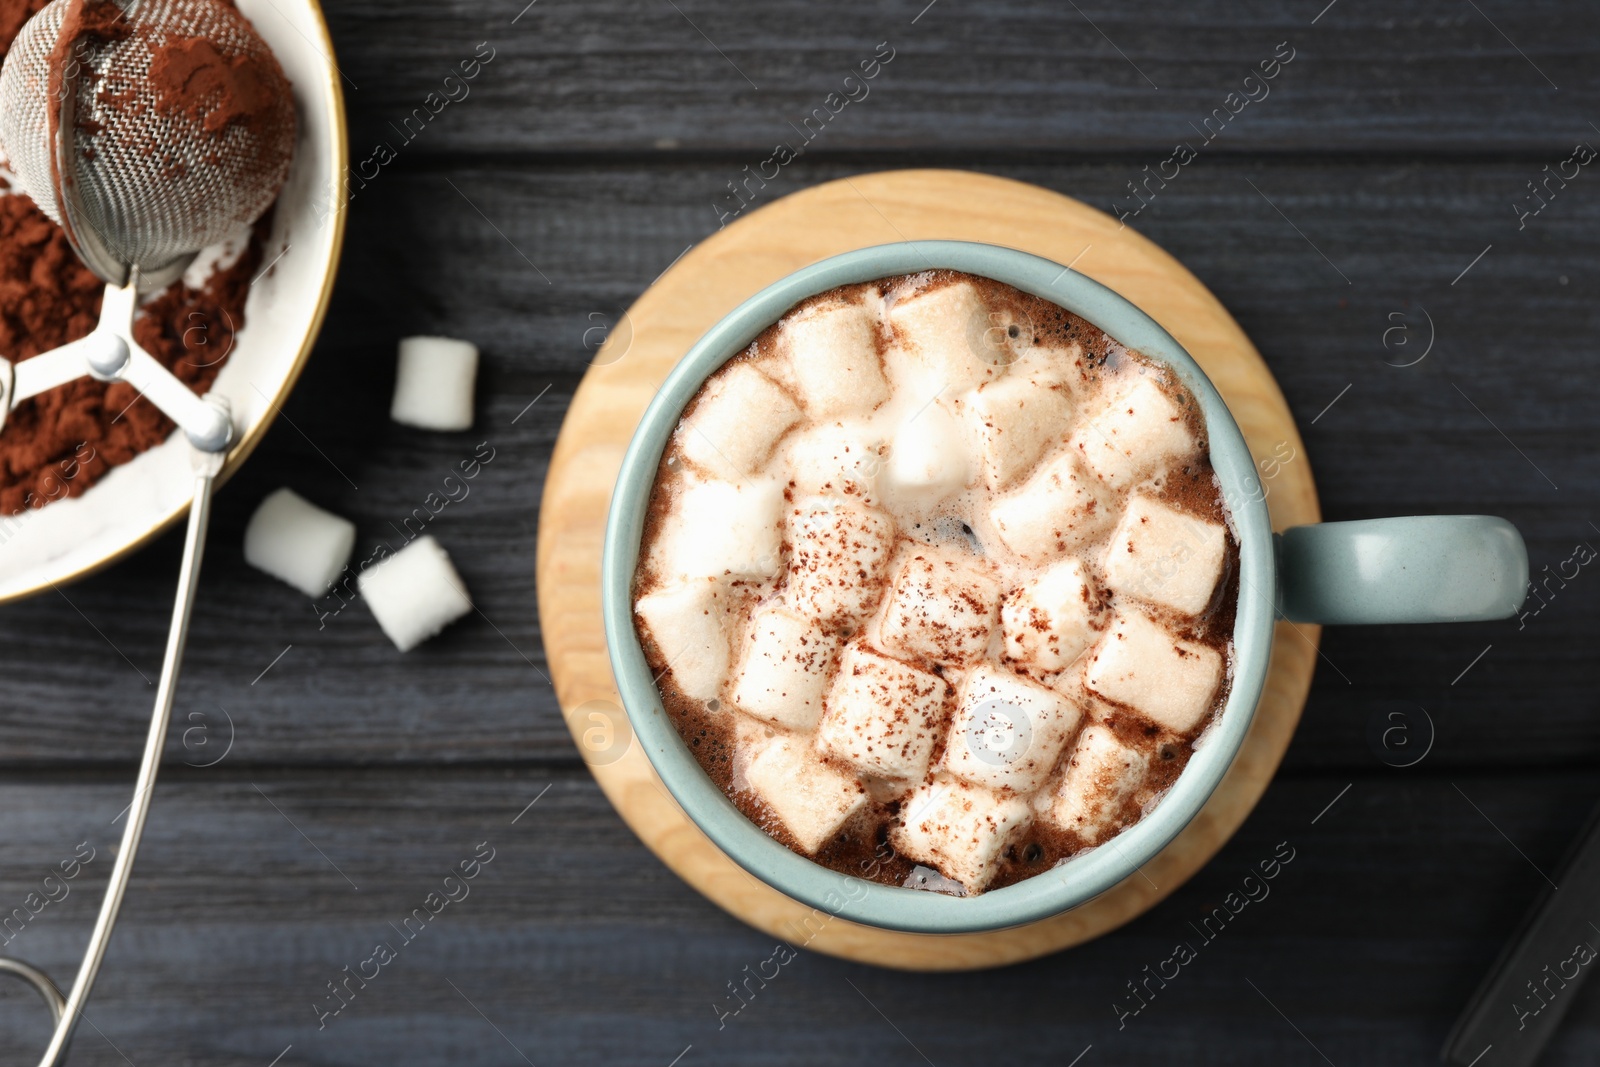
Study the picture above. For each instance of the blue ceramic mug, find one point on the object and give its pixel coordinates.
(1419, 569)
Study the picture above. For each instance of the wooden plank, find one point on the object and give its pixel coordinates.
(1469, 428)
(1017, 76)
(577, 946)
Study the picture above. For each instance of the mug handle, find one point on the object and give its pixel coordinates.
(1420, 568)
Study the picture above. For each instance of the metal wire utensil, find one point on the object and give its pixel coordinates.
(139, 191)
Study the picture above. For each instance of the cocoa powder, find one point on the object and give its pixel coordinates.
(61, 442)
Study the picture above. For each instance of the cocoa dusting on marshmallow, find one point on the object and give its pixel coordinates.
(938, 583)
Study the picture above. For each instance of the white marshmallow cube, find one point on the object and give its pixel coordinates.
(1165, 556)
(434, 382)
(812, 800)
(839, 553)
(942, 607)
(834, 460)
(928, 457)
(297, 542)
(944, 342)
(1053, 512)
(734, 425)
(832, 352)
(1168, 680)
(716, 529)
(1015, 421)
(882, 716)
(784, 668)
(1008, 731)
(1049, 622)
(415, 593)
(689, 623)
(963, 830)
(1141, 429)
(1101, 774)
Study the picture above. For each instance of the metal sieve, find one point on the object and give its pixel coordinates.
(139, 189)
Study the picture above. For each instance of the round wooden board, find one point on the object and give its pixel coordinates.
(709, 281)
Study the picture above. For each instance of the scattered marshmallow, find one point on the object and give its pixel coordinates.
(1015, 421)
(415, 593)
(731, 430)
(1165, 556)
(882, 716)
(838, 556)
(944, 341)
(1008, 731)
(718, 529)
(929, 455)
(1053, 512)
(812, 800)
(1050, 622)
(689, 624)
(1141, 429)
(832, 351)
(1102, 773)
(835, 460)
(784, 669)
(963, 830)
(942, 606)
(433, 385)
(1166, 679)
(297, 542)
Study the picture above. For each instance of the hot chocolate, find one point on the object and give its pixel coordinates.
(938, 583)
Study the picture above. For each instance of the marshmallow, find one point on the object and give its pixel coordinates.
(784, 669)
(415, 593)
(832, 352)
(928, 458)
(834, 460)
(1049, 364)
(963, 830)
(1166, 679)
(433, 383)
(1053, 512)
(717, 528)
(1165, 556)
(1007, 731)
(740, 415)
(944, 342)
(297, 542)
(1141, 429)
(942, 606)
(689, 623)
(1050, 622)
(882, 716)
(1015, 421)
(812, 800)
(1102, 773)
(838, 556)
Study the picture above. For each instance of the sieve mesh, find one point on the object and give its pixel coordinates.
(154, 184)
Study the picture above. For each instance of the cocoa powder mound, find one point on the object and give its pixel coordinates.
(61, 442)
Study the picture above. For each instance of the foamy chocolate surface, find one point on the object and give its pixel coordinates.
(938, 582)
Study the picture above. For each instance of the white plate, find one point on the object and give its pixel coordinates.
(136, 501)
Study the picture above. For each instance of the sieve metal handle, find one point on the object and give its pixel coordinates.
(207, 465)
(110, 353)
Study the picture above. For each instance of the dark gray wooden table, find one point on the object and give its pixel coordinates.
(1376, 200)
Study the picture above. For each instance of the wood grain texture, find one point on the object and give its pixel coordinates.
(581, 948)
(1015, 76)
(724, 271)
